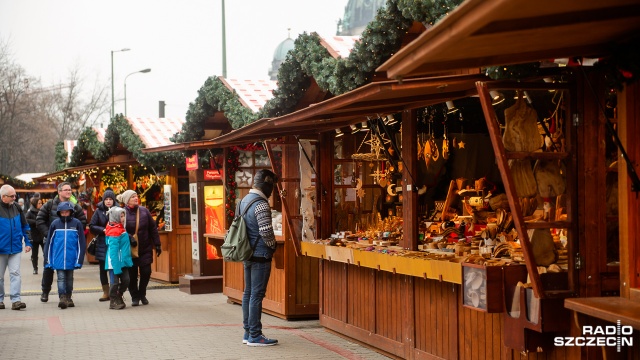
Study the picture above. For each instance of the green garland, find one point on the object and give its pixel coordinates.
(308, 59)
(213, 96)
(60, 156)
(8, 179)
(118, 131)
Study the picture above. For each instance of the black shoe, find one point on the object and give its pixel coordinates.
(45, 296)
(35, 271)
(144, 301)
(135, 302)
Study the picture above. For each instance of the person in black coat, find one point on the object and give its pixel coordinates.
(147, 240)
(97, 226)
(37, 238)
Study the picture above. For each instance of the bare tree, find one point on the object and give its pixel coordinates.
(33, 118)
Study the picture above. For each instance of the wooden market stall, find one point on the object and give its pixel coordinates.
(293, 288)
(121, 170)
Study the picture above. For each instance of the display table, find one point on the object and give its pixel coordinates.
(610, 309)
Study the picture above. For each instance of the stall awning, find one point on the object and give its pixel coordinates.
(482, 33)
(71, 170)
(371, 100)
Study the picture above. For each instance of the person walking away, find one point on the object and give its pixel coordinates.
(64, 251)
(47, 214)
(37, 238)
(97, 226)
(118, 256)
(140, 223)
(13, 228)
(257, 269)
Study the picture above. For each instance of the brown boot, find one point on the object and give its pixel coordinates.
(70, 301)
(63, 302)
(119, 303)
(105, 293)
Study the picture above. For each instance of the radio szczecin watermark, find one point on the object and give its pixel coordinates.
(611, 335)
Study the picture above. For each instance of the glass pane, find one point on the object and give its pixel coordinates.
(344, 174)
(184, 218)
(262, 159)
(245, 158)
(183, 201)
(344, 217)
(338, 152)
(244, 178)
(183, 184)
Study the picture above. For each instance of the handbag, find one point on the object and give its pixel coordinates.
(134, 237)
(91, 249)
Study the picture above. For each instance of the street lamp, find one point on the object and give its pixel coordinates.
(125, 87)
(112, 91)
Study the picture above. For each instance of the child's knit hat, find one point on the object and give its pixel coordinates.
(114, 214)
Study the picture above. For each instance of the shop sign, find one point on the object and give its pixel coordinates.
(212, 174)
(192, 162)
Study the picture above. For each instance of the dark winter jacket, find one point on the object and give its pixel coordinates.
(36, 236)
(49, 212)
(97, 225)
(148, 237)
(13, 227)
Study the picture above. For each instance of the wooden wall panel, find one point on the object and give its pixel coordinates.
(361, 301)
(387, 305)
(307, 283)
(334, 283)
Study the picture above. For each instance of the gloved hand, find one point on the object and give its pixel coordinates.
(158, 250)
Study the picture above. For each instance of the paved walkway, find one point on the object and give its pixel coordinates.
(174, 325)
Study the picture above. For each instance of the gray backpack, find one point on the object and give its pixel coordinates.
(237, 245)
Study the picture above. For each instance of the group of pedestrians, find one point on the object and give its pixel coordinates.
(57, 227)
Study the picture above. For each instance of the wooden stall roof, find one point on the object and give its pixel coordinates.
(339, 46)
(253, 94)
(482, 33)
(371, 100)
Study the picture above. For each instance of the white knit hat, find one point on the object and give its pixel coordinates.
(126, 196)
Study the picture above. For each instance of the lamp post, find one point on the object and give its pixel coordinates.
(125, 87)
(112, 91)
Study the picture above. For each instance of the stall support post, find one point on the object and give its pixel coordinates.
(410, 204)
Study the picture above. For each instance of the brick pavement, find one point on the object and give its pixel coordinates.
(174, 325)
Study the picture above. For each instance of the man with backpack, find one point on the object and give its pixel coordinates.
(258, 268)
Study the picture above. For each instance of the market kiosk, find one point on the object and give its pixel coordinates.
(158, 189)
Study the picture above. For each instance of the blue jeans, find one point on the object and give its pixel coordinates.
(13, 262)
(65, 282)
(256, 277)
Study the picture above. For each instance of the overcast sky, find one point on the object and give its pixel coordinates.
(180, 40)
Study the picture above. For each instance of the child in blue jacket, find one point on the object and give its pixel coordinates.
(64, 250)
(118, 256)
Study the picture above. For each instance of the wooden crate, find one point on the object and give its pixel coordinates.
(339, 254)
(483, 286)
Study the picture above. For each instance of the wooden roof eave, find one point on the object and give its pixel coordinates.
(481, 33)
(380, 98)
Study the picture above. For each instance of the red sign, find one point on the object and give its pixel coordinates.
(192, 162)
(214, 174)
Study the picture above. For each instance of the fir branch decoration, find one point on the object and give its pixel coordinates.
(427, 12)
(61, 156)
